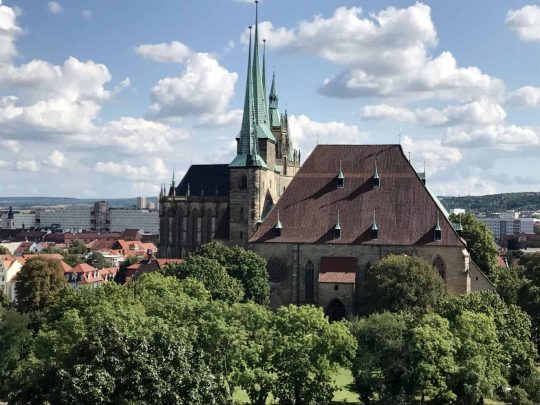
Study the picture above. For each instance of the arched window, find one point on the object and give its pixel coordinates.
(440, 267)
(310, 276)
(367, 267)
(243, 183)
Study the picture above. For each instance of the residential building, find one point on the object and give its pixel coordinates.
(141, 202)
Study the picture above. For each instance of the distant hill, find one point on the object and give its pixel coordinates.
(527, 201)
(27, 202)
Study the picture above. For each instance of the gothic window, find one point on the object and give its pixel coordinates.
(366, 271)
(277, 270)
(310, 276)
(194, 228)
(440, 267)
(243, 183)
(209, 217)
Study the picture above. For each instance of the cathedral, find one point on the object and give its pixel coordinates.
(320, 226)
(228, 202)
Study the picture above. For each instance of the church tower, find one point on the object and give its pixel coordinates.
(254, 178)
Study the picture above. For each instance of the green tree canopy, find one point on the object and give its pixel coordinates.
(403, 282)
(40, 283)
(480, 241)
(97, 260)
(4, 250)
(214, 277)
(77, 247)
(244, 265)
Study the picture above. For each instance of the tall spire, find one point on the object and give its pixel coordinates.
(264, 68)
(248, 145)
(259, 97)
(275, 117)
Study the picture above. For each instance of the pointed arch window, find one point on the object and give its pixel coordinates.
(243, 183)
(440, 267)
(310, 278)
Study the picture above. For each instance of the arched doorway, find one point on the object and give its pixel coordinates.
(336, 311)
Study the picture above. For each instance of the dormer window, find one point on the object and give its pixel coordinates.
(278, 227)
(337, 228)
(340, 177)
(374, 228)
(437, 232)
(376, 180)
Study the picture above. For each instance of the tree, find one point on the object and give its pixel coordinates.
(51, 250)
(509, 282)
(214, 277)
(310, 351)
(97, 260)
(77, 247)
(40, 283)
(4, 301)
(4, 250)
(480, 241)
(403, 282)
(13, 334)
(120, 277)
(73, 259)
(244, 265)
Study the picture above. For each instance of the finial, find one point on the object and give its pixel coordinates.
(188, 191)
(409, 156)
(278, 227)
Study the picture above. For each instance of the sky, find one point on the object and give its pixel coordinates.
(107, 98)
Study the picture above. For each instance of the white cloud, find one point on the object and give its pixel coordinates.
(4, 163)
(525, 22)
(55, 160)
(124, 84)
(174, 51)
(275, 37)
(9, 30)
(433, 152)
(54, 7)
(10, 145)
(205, 87)
(385, 111)
(154, 172)
(87, 14)
(525, 96)
(26, 165)
(470, 185)
(305, 133)
(501, 136)
(229, 118)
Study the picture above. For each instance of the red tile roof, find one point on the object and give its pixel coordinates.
(406, 211)
(50, 256)
(82, 268)
(337, 277)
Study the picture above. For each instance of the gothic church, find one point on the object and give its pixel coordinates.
(227, 202)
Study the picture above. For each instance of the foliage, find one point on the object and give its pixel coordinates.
(509, 282)
(480, 241)
(73, 259)
(77, 247)
(214, 277)
(120, 277)
(526, 201)
(400, 282)
(51, 250)
(4, 301)
(13, 334)
(244, 265)
(40, 283)
(4, 250)
(97, 260)
(310, 350)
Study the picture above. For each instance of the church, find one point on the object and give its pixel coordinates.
(228, 202)
(322, 225)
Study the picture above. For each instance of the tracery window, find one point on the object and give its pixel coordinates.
(440, 267)
(310, 276)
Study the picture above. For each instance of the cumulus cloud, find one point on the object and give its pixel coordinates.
(10, 145)
(154, 172)
(525, 22)
(506, 137)
(174, 51)
(55, 160)
(433, 152)
(9, 30)
(229, 118)
(464, 185)
(524, 96)
(385, 54)
(307, 132)
(204, 87)
(29, 165)
(54, 7)
(275, 37)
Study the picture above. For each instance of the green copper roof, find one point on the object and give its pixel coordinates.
(275, 116)
(248, 150)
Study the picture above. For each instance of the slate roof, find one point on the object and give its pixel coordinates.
(406, 212)
(207, 178)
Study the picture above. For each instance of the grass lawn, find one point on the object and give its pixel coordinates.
(343, 395)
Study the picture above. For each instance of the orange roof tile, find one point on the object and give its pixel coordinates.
(337, 277)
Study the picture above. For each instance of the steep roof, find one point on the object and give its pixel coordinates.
(406, 211)
(205, 178)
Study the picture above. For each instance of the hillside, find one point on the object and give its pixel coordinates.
(527, 201)
(27, 202)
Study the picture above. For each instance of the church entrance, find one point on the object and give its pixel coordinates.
(336, 311)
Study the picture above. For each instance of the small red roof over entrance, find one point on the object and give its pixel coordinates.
(340, 270)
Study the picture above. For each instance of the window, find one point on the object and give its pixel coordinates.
(241, 211)
(309, 285)
(243, 183)
(336, 287)
(340, 182)
(376, 182)
(277, 270)
(241, 235)
(440, 267)
(366, 271)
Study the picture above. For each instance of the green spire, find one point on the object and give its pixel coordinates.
(275, 117)
(247, 154)
(259, 97)
(264, 68)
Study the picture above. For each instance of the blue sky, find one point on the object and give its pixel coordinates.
(104, 99)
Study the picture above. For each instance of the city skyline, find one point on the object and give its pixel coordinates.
(107, 99)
